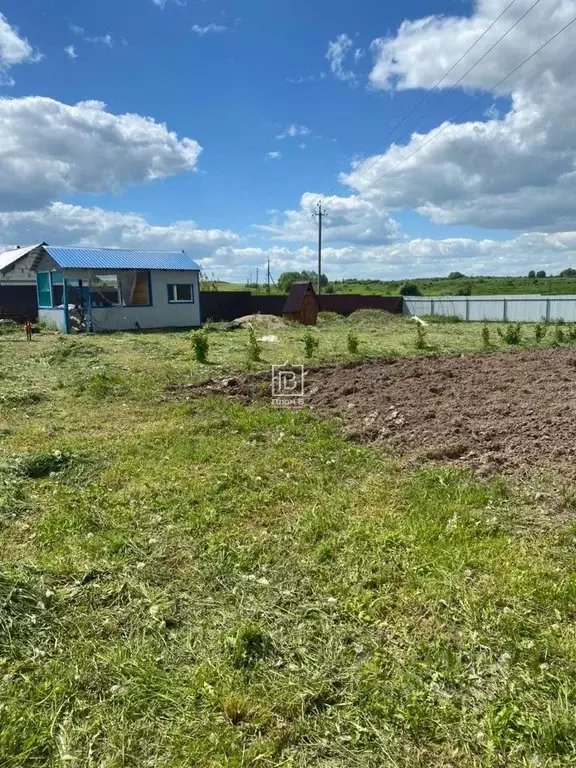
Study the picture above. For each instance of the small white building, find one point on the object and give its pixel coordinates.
(110, 289)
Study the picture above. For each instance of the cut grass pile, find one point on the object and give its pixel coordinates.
(206, 584)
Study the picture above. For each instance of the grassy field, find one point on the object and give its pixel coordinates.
(442, 286)
(206, 584)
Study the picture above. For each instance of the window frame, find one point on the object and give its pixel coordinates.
(171, 287)
(122, 304)
(49, 289)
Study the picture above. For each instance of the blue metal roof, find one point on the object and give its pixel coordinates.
(118, 258)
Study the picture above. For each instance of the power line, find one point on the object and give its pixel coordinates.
(467, 109)
(446, 93)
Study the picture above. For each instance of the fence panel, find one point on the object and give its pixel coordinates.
(526, 310)
(563, 309)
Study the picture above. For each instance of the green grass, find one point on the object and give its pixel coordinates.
(442, 286)
(208, 584)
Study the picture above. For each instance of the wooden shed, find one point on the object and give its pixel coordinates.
(302, 304)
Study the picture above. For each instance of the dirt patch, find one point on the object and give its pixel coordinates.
(509, 412)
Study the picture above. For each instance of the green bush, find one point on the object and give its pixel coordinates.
(410, 289)
(559, 335)
(540, 331)
(486, 336)
(420, 342)
(311, 344)
(201, 345)
(512, 334)
(352, 342)
(253, 348)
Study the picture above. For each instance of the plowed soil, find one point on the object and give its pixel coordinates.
(512, 412)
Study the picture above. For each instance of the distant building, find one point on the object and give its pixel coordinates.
(111, 289)
(18, 281)
(302, 303)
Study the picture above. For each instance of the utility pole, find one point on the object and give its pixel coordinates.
(320, 214)
(257, 286)
(268, 276)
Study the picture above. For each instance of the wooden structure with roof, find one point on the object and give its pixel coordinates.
(302, 303)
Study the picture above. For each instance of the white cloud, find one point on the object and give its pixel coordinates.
(13, 50)
(421, 257)
(291, 131)
(337, 53)
(303, 145)
(209, 29)
(64, 224)
(350, 219)
(163, 3)
(71, 52)
(50, 149)
(515, 172)
(106, 40)
(273, 155)
(306, 78)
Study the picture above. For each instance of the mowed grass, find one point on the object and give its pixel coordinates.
(208, 584)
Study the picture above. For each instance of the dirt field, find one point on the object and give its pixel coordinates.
(510, 412)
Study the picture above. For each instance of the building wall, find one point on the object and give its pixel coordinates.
(18, 300)
(54, 319)
(22, 271)
(161, 314)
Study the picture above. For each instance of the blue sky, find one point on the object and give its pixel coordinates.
(283, 97)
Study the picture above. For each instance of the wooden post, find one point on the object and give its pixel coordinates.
(432, 306)
(547, 310)
(505, 312)
(467, 310)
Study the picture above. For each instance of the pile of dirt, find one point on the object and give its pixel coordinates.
(508, 412)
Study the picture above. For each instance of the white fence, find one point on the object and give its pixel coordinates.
(516, 309)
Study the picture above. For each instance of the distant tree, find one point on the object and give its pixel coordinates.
(532, 274)
(287, 278)
(455, 275)
(410, 289)
(540, 273)
(465, 290)
(570, 272)
(330, 288)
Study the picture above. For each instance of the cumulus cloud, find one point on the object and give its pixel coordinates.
(337, 53)
(49, 149)
(64, 224)
(517, 171)
(350, 219)
(291, 131)
(71, 52)
(273, 155)
(209, 29)
(420, 257)
(13, 50)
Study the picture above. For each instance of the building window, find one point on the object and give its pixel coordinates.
(180, 293)
(104, 291)
(128, 288)
(44, 290)
(136, 289)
